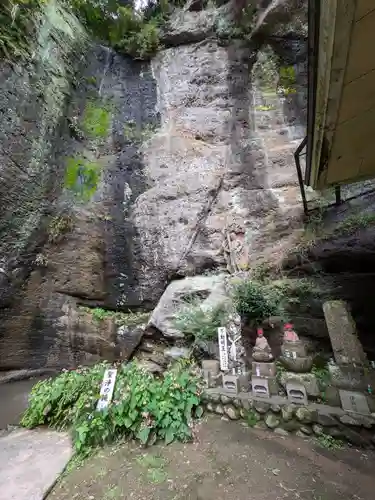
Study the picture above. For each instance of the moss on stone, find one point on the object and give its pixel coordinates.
(82, 176)
(96, 120)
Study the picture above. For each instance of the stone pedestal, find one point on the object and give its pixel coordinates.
(342, 331)
(231, 383)
(211, 373)
(260, 387)
(293, 357)
(212, 380)
(211, 365)
(236, 383)
(296, 392)
(351, 374)
(263, 369)
(297, 365)
(293, 350)
(264, 386)
(308, 380)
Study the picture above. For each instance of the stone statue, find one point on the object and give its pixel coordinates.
(293, 352)
(262, 351)
(289, 334)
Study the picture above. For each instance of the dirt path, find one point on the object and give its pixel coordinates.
(226, 461)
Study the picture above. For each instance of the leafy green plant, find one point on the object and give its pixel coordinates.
(129, 318)
(322, 375)
(96, 120)
(99, 314)
(18, 23)
(256, 301)
(144, 407)
(200, 324)
(134, 35)
(329, 442)
(280, 370)
(251, 418)
(82, 177)
(58, 227)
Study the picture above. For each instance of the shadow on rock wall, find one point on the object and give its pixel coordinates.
(340, 258)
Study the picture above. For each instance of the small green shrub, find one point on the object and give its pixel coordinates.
(322, 375)
(82, 177)
(256, 301)
(121, 318)
(199, 324)
(144, 407)
(99, 314)
(280, 370)
(251, 418)
(135, 36)
(329, 442)
(96, 121)
(58, 227)
(18, 23)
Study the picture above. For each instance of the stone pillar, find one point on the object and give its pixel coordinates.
(343, 334)
(351, 375)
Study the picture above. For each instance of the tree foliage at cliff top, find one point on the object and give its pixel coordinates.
(116, 22)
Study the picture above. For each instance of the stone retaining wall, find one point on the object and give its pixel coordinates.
(280, 416)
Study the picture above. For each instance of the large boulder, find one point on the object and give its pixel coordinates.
(210, 291)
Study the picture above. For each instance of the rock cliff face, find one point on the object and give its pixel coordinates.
(223, 182)
(191, 161)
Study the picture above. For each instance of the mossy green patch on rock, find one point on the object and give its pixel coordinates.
(82, 177)
(96, 120)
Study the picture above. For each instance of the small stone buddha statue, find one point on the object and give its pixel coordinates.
(262, 351)
(293, 352)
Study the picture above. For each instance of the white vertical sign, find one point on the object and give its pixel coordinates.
(107, 388)
(223, 348)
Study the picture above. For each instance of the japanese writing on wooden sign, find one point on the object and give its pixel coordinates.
(223, 348)
(107, 388)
